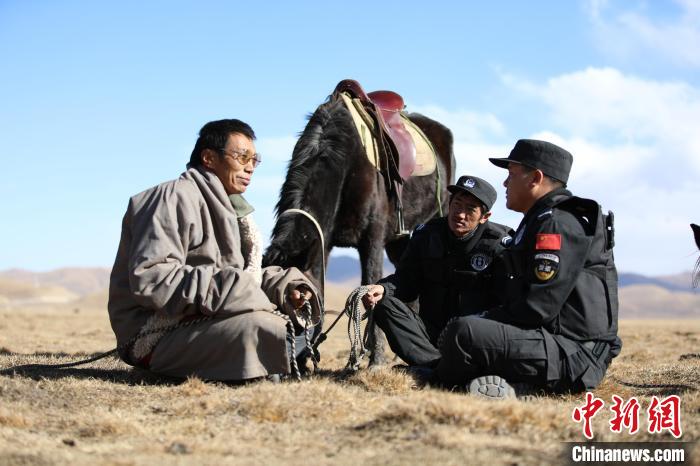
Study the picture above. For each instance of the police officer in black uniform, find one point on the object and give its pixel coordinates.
(441, 268)
(557, 327)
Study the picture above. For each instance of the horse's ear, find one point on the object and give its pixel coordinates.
(696, 232)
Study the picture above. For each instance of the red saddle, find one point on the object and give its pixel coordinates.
(386, 107)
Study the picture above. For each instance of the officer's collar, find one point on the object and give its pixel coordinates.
(548, 200)
(464, 239)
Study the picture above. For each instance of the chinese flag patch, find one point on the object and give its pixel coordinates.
(548, 241)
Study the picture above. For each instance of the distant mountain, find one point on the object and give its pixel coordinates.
(640, 296)
(79, 280)
(651, 301)
(346, 269)
(340, 269)
(18, 292)
(679, 282)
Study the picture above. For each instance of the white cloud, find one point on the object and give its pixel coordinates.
(464, 124)
(475, 135)
(599, 164)
(633, 34)
(634, 121)
(635, 150)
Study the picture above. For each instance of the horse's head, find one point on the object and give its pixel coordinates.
(294, 244)
(322, 160)
(696, 272)
(297, 245)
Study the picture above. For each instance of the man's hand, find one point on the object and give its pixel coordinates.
(300, 294)
(373, 296)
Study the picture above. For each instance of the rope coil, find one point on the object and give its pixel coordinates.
(306, 313)
(292, 344)
(355, 317)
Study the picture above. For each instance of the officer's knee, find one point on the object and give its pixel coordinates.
(458, 331)
(387, 309)
(379, 314)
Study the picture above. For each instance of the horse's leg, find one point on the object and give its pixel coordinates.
(372, 260)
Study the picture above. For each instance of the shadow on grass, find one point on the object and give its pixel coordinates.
(121, 373)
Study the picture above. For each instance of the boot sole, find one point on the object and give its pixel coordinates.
(491, 387)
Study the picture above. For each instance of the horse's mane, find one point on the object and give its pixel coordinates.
(696, 270)
(327, 134)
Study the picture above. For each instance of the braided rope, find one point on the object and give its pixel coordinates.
(123, 346)
(655, 385)
(355, 317)
(293, 349)
(167, 328)
(306, 314)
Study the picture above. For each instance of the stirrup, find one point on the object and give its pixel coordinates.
(400, 225)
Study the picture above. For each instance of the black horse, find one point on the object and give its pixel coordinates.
(331, 178)
(696, 271)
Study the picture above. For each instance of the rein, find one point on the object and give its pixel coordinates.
(358, 343)
(352, 310)
(167, 329)
(320, 236)
(312, 345)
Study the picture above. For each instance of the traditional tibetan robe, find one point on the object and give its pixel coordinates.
(187, 250)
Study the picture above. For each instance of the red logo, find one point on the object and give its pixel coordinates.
(662, 415)
(586, 412)
(548, 241)
(665, 415)
(626, 415)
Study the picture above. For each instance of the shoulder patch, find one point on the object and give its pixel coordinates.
(548, 241)
(546, 266)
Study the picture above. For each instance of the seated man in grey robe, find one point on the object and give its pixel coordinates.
(187, 283)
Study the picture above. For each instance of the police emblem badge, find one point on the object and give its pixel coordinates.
(480, 261)
(469, 183)
(546, 266)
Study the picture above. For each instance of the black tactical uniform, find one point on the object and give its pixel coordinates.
(444, 274)
(557, 328)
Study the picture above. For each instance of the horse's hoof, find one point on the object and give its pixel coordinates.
(378, 362)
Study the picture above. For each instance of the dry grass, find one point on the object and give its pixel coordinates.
(107, 413)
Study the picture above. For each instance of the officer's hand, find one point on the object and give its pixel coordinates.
(373, 296)
(300, 294)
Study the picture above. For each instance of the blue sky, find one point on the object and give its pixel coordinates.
(99, 101)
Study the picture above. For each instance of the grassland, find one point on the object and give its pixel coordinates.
(108, 413)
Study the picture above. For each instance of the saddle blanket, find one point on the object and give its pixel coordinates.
(426, 159)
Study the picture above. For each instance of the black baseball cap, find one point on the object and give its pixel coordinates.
(554, 161)
(480, 189)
